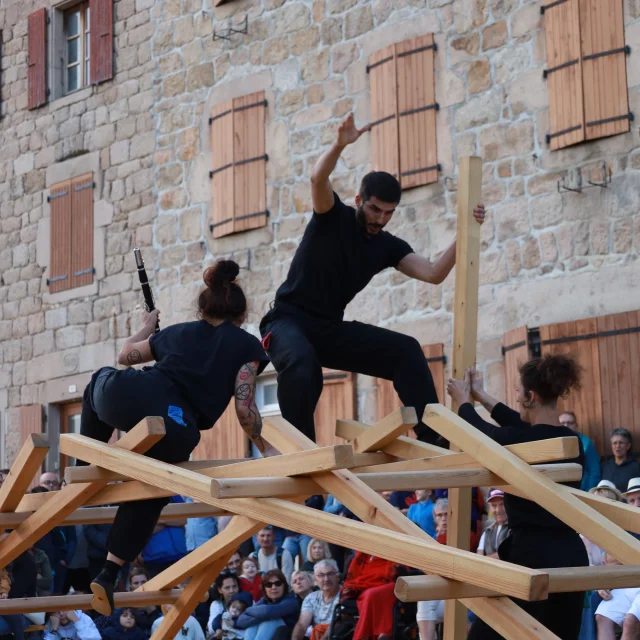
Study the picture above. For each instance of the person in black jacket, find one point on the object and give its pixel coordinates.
(620, 467)
(199, 367)
(538, 539)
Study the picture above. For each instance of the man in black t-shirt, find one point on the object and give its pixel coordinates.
(341, 250)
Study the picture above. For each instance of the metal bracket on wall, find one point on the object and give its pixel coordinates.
(226, 34)
(579, 186)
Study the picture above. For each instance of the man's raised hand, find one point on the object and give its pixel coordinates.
(348, 133)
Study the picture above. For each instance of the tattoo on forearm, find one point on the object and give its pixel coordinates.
(250, 421)
(134, 357)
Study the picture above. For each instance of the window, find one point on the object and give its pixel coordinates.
(267, 396)
(403, 111)
(77, 35)
(586, 71)
(71, 262)
(238, 174)
(63, 56)
(69, 423)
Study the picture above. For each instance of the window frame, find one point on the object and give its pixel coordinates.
(84, 49)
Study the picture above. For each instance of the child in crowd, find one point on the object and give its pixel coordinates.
(239, 603)
(123, 626)
(191, 629)
(251, 580)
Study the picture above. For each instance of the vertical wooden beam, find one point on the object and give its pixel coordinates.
(465, 334)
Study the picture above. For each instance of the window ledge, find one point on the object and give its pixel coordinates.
(72, 98)
(70, 294)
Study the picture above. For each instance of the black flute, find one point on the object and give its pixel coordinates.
(144, 283)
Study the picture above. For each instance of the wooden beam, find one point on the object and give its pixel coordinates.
(192, 594)
(465, 337)
(553, 497)
(27, 463)
(141, 438)
(82, 601)
(401, 481)
(420, 551)
(561, 580)
(531, 452)
(385, 431)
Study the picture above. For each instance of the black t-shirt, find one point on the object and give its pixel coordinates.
(522, 513)
(335, 261)
(203, 361)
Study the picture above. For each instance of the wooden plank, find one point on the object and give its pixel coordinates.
(142, 437)
(418, 550)
(82, 192)
(222, 186)
(337, 400)
(30, 418)
(561, 580)
(82, 601)
(398, 481)
(226, 440)
(386, 430)
(27, 463)
(515, 345)
(60, 238)
(465, 336)
(555, 498)
(634, 350)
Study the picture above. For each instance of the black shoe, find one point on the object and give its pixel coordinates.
(102, 589)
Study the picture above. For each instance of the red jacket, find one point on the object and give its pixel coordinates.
(254, 588)
(366, 571)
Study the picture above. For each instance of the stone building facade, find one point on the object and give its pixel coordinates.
(546, 256)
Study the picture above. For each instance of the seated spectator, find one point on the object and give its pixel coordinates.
(298, 543)
(302, 584)
(167, 545)
(44, 574)
(238, 605)
(123, 626)
(441, 519)
(430, 613)
(371, 580)
(591, 471)
(199, 530)
(316, 550)
(477, 511)
(235, 563)
(605, 489)
(270, 556)
(620, 467)
(250, 579)
(318, 607)
(498, 529)
(73, 625)
(145, 616)
(15, 622)
(621, 605)
(276, 609)
(191, 630)
(421, 512)
(226, 586)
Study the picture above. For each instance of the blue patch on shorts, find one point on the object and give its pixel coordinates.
(175, 413)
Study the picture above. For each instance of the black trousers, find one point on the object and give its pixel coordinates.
(544, 549)
(120, 399)
(301, 345)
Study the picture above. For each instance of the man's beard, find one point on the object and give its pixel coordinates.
(370, 229)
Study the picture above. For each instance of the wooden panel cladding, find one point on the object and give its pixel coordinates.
(30, 419)
(604, 68)
(101, 40)
(586, 70)
(37, 58)
(82, 230)
(515, 348)
(403, 111)
(387, 398)
(239, 165)
(71, 262)
(338, 400)
(225, 440)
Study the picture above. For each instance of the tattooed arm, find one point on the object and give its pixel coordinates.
(246, 409)
(136, 349)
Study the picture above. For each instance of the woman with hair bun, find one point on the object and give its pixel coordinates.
(538, 539)
(199, 366)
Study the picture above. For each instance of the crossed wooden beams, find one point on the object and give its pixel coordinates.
(271, 490)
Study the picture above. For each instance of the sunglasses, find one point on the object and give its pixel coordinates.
(275, 583)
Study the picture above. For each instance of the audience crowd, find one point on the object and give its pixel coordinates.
(285, 586)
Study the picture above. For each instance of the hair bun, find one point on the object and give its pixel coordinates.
(221, 274)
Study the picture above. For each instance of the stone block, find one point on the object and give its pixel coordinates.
(331, 31)
(79, 313)
(43, 343)
(313, 115)
(200, 76)
(23, 164)
(342, 55)
(548, 247)
(599, 237)
(173, 199)
(188, 143)
(183, 31)
(511, 63)
(286, 75)
(174, 84)
(275, 50)
(290, 102)
(304, 40)
(55, 318)
(479, 75)
(119, 152)
(514, 258)
(547, 211)
(315, 94)
(468, 14)
(115, 284)
(494, 36)
(339, 6)
(531, 253)
(167, 229)
(169, 176)
(358, 21)
(314, 66)
(494, 268)
(622, 236)
(479, 110)
(450, 88)
(512, 219)
(528, 92)
(503, 140)
(191, 225)
(69, 337)
(192, 53)
(525, 21)
(292, 17)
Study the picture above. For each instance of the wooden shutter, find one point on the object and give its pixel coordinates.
(384, 111)
(515, 349)
(60, 275)
(604, 69)
(82, 230)
(579, 339)
(338, 400)
(101, 40)
(30, 418)
(37, 58)
(417, 108)
(225, 440)
(239, 165)
(564, 73)
(387, 398)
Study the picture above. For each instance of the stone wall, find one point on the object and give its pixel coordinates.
(546, 256)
